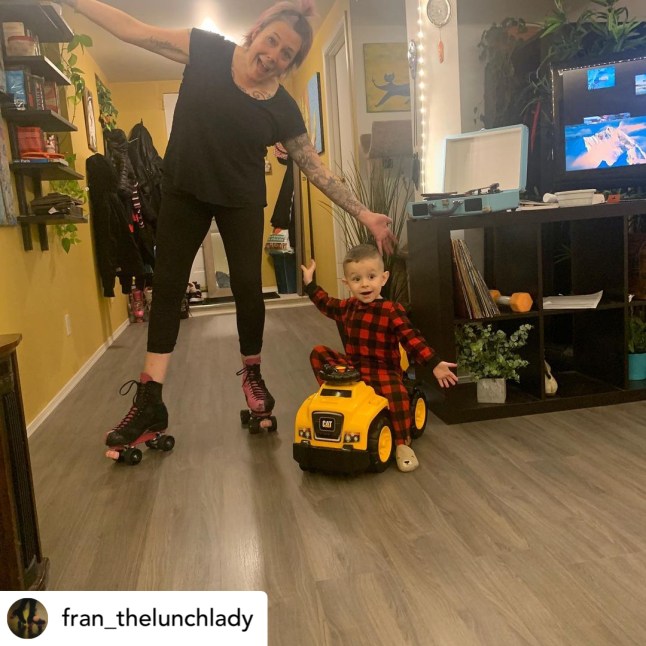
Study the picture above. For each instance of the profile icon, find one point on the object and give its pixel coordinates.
(27, 618)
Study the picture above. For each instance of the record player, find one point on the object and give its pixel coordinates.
(494, 160)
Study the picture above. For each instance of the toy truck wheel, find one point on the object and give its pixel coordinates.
(419, 413)
(380, 443)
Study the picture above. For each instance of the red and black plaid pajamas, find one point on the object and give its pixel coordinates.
(373, 334)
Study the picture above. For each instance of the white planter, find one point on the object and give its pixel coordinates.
(491, 391)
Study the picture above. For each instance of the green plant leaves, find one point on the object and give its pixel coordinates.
(636, 335)
(486, 352)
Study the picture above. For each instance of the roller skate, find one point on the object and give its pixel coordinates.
(259, 400)
(137, 305)
(145, 423)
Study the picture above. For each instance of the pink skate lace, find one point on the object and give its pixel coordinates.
(133, 410)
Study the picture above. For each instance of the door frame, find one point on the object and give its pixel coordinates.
(339, 40)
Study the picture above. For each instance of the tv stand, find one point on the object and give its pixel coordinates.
(577, 250)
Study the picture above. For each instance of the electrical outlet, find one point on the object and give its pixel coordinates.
(68, 325)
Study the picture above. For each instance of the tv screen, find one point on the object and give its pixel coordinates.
(600, 123)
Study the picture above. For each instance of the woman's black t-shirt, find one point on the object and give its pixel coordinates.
(220, 135)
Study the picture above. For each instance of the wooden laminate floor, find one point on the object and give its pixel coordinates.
(523, 531)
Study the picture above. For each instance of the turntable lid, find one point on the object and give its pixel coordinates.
(484, 157)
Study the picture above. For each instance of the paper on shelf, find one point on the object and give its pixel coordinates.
(584, 301)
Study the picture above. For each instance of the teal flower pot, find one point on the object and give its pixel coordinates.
(637, 366)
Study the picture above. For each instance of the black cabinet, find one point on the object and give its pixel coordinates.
(576, 250)
(44, 21)
(22, 566)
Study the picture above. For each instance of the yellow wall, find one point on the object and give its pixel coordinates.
(322, 221)
(37, 289)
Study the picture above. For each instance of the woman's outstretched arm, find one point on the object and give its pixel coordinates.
(170, 43)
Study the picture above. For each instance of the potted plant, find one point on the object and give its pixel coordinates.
(636, 348)
(383, 190)
(491, 357)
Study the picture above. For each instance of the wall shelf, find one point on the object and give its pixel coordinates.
(42, 19)
(586, 348)
(52, 219)
(48, 120)
(40, 65)
(44, 171)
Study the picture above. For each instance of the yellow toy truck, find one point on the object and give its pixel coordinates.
(345, 427)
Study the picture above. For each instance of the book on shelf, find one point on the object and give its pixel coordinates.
(580, 302)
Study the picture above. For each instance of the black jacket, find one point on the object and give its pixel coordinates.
(116, 250)
(147, 167)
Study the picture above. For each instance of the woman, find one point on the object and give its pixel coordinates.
(230, 108)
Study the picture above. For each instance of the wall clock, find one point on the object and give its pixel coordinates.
(438, 12)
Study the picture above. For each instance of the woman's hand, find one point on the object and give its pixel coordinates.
(308, 272)
(378, 225)
(443, 374)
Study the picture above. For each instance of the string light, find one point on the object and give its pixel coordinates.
(421, 90)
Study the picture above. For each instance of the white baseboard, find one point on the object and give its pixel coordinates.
(60, 396)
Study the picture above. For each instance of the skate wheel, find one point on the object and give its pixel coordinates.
(132, 456)
(274, 424)
(152, 444)
(245, 416)
(166, 442)
(113, 455)
(254, 425)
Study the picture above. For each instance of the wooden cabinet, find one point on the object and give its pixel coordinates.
(22, 566)
(577, 250)
(44, 21)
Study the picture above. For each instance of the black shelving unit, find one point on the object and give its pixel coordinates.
(44, 21)
(576, 250)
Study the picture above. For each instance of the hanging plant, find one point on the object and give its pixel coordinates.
(67, 65)
(107, 112)
(68, 233)
(507, 95)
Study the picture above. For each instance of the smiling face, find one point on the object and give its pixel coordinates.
(272, 51)
(365, 278)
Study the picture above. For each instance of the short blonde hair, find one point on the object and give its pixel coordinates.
(298, 15)
(362, 252)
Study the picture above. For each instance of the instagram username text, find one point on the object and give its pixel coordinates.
(207, 618)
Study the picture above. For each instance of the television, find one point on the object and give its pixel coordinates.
(599, 136)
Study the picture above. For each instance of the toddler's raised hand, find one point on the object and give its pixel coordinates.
(308, 272)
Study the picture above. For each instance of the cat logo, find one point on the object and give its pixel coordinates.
(326, 424)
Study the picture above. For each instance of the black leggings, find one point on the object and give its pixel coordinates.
(183, 224)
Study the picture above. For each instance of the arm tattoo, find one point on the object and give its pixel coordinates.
(163, 47)
(302, 152)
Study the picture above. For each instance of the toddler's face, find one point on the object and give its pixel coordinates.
(365, 279)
